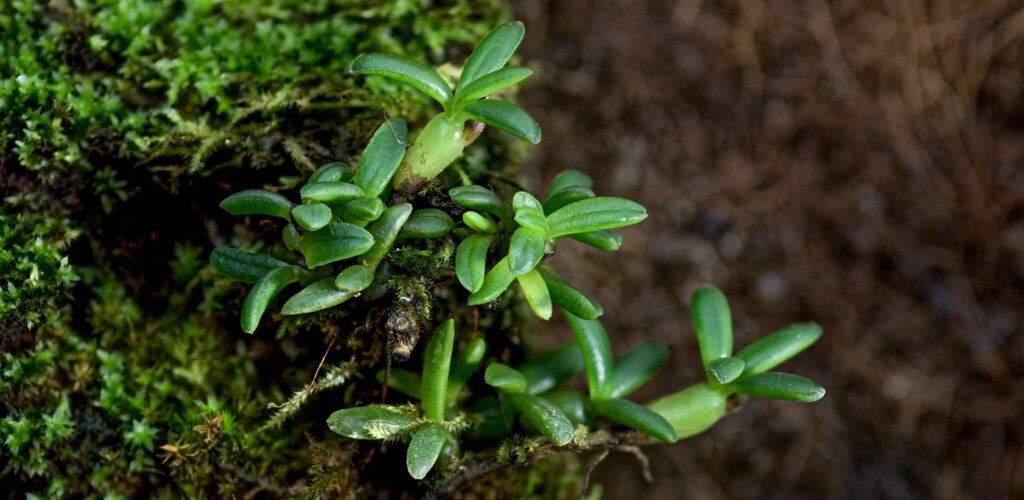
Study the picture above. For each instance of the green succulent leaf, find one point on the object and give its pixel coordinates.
(291, 237)
(493, 51)
(570, 298)
(544, 416)
(385, 230)
(777, 385)
(504, 116)
(363, 211)
(692, 410)
(243, 266)
(463, 365)
(436, 364)
(636, 367)
(505, 378)
(566, 196)
(572, 403)
(484, 200)
(496, 281)
(403, 381)
(772, 350)
(331, 192)
(336, 241)
(713, 322)
(354, 278)
(427, 223)
(479, 222)
(471, 260)
(553, 368)
(529, 212)
(424, 449)
(525, 250)
(536, 292)
(257, 201)
(490, 83)
(593, 214)
(331, 172)
(567, 178)
(263, 292)
(318, 296)
(368, 422)
(635, 416)
(725, 370)
(602, 240)
(381, 157)
(313, 216)
(597, 353)
(406, 71)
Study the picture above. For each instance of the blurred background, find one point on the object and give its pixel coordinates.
(855, 163)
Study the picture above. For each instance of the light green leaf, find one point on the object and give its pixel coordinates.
(337, 241)
(602, 240)
(263, 292)
(313, 216)
(777, 385)
(570, 298)
(572, 403)
(406, 71)
(713, 322)
(257, 201)
(384, 231)
(553, 368)
(471, 260)
(636, 367)
(637, 417)
(593, 214)
(290, 236)
(536, 292)
(496, 281)
(243, 266)
(331, 192)
(403, 381)
(437, 360)
(772, 350)
(489, 84)
(565, 196)
(424, 449)
(427, 223)
(597, 353)
(504, 116)
(479, 222)
(505, 378)
(725, 370)
(331, 172)
(529, 212)
(318, 296)
(381, 157)
(363, 211)
(354, 278)
(482, 199)
(525, 250)
(568, 178)
(493, 51)
(368, 422)
(543, 415)
(463, 365)
(692, 410)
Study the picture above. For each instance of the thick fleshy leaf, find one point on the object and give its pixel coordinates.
(496, 281)
(489, 84)
(363, 211)
(479, 222)
(337, 241)
(471, 260)
(635, 416)
(257, 201)
(713, 322)
(570, 298)
(525, 250)
(565, 196)
(263, 292)
(772, 350)
(406, 71)
(481, 199)
(636, 367)
(544, 416)
(424, 448)
(384, 231)
(427, 223)
(536, 292)
(331, 192)
(243, 266)
(725, 370)
(381, 157)
(593, 214)
(692, 410)
(291, 237)
(504, 116)
(553, 368)
(318, 296)
(493, 51)
(368, 422)
(505, 378)
(354, 278)
(313, 216)
(437, 358)
(572, 403)
(597, 353)
(403, 381)
(463, 365)
(602, 240)
(777, 385)
(331, 172)
(529, 212)
(568, 178)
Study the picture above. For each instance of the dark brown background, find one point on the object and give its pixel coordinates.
(854, 163)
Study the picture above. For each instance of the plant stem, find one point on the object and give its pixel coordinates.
(440, 143)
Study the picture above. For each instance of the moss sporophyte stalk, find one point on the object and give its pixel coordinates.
(357, 240)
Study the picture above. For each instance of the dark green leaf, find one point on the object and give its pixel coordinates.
(257, 201)
(572, 403)
(318, 296)
(471, 260)
(463, 365)
(772, 350)
(406, 71)
(313, 216)
(363, 211)
(403, 381)
(553, 368)
(489, 84)
(565, 196)
(479, 222)
(505, 378)
(482, 199)
(569, 298)
(368, 422)
(637, 417)
(331, 172)
(597, 353)
(381, 157)
(496, 281)
(593, 214)
(777, 385)
(243, 266)
(384, 230)
(725, 370)
(536, 292)
(331, 192)
(713, 322)
(427, 223)
(692, 410)
(602, 240)
(354, 278)
(525, 250)
(337, 241)
(424, 448)
(504, 116)
(493, 51)
(636, 367)
(263, 292)
(568, 178)
(529, 212)
(437, 360)
(543, 415)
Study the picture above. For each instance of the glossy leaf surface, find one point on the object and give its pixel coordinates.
(354, 278)
(463, 365)
(437, 358)
(725, 370)
(496, 281)
(243, 266)
(529, 212)
(525, 250)
(544, 416)
(368, 422)
(713, 322)
(569, 297)
(568, 178)
(381, 157)
(593, 214)
(553, 368)
(493, 51)
(505, 378)
(602, 240)
(331, 192)
(692, 410)
(427, 223)
(635, 416)
(313, 216)
(406, 71)
(636, 367)
(504, 116)
(320, 295)
(481, 199)
(384, 231)
(479, 222)
(597, 353)
(778, 385)
(565, 196)
(490, 83)
(424, 449)
(257, 201)
(263, 292)
(331, 172)
(336, 241)
(772, 350)
(471, 260)
(363, 211)
(536, 292)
